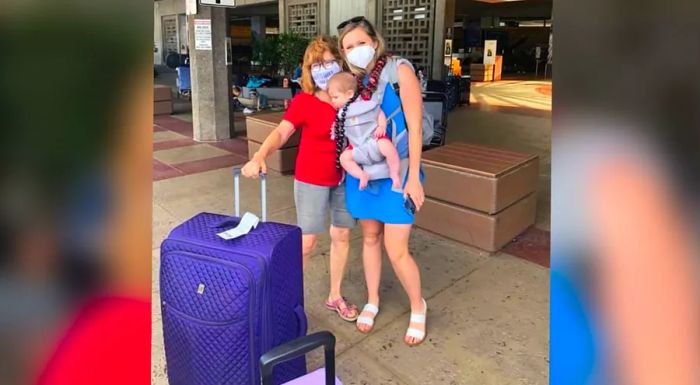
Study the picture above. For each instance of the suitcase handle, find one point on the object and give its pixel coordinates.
(297, 348)
(237, 193)
(303, 322)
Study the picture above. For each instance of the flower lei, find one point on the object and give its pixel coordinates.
(366, 93)
(339, 134)
(373, 81)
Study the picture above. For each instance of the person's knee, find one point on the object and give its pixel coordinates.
(387, 149)
(384, 145)
(308, 246)
(339, 235)
(371, 239)
(397, 255)
(397, 245)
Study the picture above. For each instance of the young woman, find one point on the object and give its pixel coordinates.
(379, 209)
(317, 182)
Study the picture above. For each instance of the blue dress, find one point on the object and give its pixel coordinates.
(378, 201)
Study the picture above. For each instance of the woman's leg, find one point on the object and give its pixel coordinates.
(396, 243)
(341, 224)
(372, 261)
(312, 206)
(308, 244)
(340, 247)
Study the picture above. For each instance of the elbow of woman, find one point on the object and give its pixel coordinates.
(284, 131)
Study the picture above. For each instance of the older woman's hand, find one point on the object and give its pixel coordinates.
(254, 167)
(414, 188)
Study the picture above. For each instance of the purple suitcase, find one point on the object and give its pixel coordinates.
(226, 302)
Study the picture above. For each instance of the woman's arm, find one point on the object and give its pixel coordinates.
(272, 143)
(275, 140)
(412, 103)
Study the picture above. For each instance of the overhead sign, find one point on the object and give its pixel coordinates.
(218, 3)
(190, 7)
(202, 34)
(490, 51)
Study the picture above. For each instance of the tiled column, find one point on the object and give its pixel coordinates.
(211, 112)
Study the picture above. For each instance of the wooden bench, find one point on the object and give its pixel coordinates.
(478, 195)
(258, 127)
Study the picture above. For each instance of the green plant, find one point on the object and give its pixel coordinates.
(265, 52)
(290, 50)
(283, 51)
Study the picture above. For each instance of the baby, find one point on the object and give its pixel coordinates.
(365, 129)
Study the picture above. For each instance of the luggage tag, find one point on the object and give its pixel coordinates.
(247, 223)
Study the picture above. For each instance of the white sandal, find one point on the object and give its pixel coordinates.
(418, 319)
(365, 320)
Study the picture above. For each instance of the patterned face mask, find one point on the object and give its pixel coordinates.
(321, 75)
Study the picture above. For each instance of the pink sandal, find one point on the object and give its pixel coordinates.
(347, 312)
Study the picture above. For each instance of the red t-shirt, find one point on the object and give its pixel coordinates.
(109, 343)
(316, 158)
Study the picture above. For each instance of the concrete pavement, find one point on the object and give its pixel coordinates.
(487, 320)
(488, 315)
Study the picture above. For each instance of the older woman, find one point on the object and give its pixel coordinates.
(379, 208)
(317, 182)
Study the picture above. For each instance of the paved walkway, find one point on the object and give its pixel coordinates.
(488, 315)
(520, 95)
(176, 154)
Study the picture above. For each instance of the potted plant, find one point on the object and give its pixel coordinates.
(290, 50)
(265, 53)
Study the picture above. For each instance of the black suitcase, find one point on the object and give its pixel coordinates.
(436, 104)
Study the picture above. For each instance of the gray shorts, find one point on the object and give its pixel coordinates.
(313, 204)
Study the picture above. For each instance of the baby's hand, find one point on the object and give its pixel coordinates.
(380, 131)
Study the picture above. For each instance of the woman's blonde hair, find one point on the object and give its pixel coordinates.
(369, 29)
(314, 54)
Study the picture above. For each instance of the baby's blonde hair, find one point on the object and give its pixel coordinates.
(344, 81)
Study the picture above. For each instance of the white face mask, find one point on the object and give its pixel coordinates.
(361, 56)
